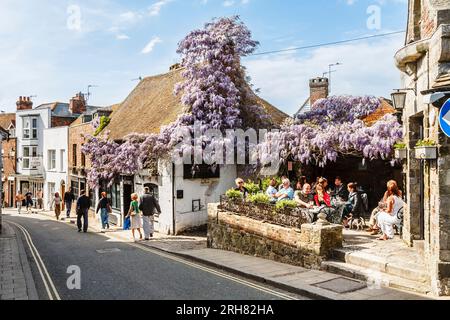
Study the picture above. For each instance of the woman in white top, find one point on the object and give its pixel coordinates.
(387, 219)
(57, 203)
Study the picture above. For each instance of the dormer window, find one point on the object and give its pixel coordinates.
(30, 128)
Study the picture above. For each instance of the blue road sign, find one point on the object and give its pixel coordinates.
(444, 118)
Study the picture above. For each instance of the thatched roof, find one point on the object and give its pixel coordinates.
(152, 104)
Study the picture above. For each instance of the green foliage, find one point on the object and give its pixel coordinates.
(426, 143)
(252, 187)
(233, 194)
(266, 183)
(104, 121)
(259, 198)
(400, 146)
(286, 204)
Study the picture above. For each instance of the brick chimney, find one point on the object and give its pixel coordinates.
(24, 103)
(319, 89)
(77, 104)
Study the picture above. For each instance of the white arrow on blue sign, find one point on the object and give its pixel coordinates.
(444, 118)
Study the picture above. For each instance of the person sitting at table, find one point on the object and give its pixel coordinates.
(340, 192)
(240, 187)
(304, 198)
(282, 179)
(354, 206)
(286, 192)
(322, 198)
(272, 190)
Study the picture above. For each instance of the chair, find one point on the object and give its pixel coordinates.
(399, 225)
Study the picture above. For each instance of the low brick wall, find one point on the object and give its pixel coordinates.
(305, 247)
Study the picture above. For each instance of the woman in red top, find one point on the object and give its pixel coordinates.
(322, 198)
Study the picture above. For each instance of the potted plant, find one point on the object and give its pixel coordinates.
(401, 150)
(426, 150)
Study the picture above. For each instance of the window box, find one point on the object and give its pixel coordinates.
(401, 154)
(426, 153)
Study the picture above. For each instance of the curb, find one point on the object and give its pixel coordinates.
(29, 280)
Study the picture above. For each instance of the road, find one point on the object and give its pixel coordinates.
(111, 269)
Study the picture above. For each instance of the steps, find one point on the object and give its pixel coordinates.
(386, 263)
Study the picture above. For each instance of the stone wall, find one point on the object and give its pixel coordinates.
(305, 247)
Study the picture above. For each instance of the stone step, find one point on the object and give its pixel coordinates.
(407, 270)
(374, 278)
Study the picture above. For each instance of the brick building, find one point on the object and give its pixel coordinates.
(7, 121)
(424, 63)
(31, 124)
(79, 164)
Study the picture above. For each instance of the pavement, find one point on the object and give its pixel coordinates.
(312, 284)
(16, 281)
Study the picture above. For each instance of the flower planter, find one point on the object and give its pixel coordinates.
(426, 153)
(401, 154)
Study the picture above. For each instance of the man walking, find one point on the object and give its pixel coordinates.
(83, 205)
(69, 197)
(40, 201)
(147, 205)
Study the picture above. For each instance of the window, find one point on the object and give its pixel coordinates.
(61, 160)
(26, 128)
(83, 160)
(28, 154)
(34, 128)
(51, 189)
(202, 171)
(75, 190)
(51, 165)
(115, 196)
(74, 155)
(12, 132)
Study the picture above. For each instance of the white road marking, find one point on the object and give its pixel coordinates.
(200, 267)
(46, 279)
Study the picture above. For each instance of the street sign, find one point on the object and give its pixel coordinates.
(35, 162)
(444, 118)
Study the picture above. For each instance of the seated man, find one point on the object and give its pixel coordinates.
(272, 190)
(286, 192)
(340, 192)
(240, 187)
(304, 198)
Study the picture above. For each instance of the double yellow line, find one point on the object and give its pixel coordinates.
(46, 279)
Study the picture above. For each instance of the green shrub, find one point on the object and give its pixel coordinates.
(233, 194)
(286, 204)
(259, 198)
(252, 187)
(400, 146)
(426, 143)
(104, 121)
(266, 183)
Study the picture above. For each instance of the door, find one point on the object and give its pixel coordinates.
(127, 192)
(422, 188)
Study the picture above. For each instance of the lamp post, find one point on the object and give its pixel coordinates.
(329, 72)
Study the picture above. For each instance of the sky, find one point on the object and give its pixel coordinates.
(52, 49)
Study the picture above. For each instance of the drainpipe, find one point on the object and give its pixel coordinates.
(173, 200)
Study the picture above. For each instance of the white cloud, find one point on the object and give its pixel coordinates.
(155, 8)
(122, 37)
(151, 45)
(368, 68)
(228, 3)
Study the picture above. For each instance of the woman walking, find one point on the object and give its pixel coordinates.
(19, 201)
(57, 200)
(104, 208)
(390, 217)
(136, 220)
